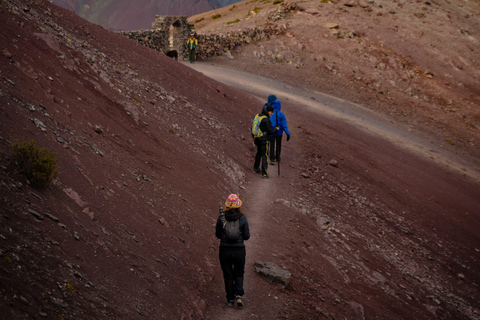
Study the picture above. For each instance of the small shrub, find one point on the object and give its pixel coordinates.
(450, 141)
(235, 21)
(216, 16)
(277, 1)
(197, 21)
(38, 164)
(256, 9)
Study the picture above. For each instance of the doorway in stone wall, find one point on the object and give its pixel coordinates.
(174, 38)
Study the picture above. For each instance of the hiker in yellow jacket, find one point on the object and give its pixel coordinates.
(192, 44)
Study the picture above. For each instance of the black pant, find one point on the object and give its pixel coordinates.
(275, 140)
(262, 155)
(191, 55)
(232, 261)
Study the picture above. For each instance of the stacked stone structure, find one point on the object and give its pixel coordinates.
(167, 33)
(219, 44)
(172, 33)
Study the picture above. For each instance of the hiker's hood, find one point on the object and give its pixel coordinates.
(276, 105)
(232, 214)
(264, 113)
(271, 98)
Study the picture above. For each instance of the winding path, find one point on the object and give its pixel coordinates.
(352, 113)
(259, 194)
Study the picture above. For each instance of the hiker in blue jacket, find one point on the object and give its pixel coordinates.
(278, 120)
(270, 100)
(232, 253)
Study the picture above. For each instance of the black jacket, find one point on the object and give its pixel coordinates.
(265, 127)
(231, 215)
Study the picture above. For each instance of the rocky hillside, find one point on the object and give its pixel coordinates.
(139, 14)
(415, 62)
(140, 153)
(147, 148)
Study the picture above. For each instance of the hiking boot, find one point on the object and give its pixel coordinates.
(239, 301)
(230, 303)
(264, 176)
(257, 170)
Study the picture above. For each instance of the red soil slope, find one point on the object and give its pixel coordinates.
(126, 229)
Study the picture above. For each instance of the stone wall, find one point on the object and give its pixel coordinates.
(210, 45)
(219, 44)
(167, 33)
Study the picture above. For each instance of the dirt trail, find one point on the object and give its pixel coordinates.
(256, 202)
(267, 202)
(333, 107)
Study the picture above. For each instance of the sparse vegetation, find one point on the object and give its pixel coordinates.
(450, 141)
(235, 21)
(256, 9)
(277, 1)
(38, 164)
(216, 16)
(199, 20)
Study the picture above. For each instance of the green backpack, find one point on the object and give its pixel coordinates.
(257, 133)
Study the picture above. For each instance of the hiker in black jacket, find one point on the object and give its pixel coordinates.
(232, 252)
(262, 142)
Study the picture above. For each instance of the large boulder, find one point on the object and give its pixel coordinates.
(272, 272)
(302, 7)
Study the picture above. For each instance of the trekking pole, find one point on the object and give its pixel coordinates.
(278, 156)
(222, 215)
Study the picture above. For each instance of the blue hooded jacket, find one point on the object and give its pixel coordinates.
(278, 119)
(270, 100)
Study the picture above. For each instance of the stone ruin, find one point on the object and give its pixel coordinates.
(172, 32)
(167, 33)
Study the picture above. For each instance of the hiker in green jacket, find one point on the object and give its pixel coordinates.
(192, 45)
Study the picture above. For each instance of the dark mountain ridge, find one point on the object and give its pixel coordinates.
(136, 15)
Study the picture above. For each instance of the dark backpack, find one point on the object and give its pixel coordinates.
(231, 229)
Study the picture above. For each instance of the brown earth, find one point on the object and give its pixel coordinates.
(413, 61)
(126, 231)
